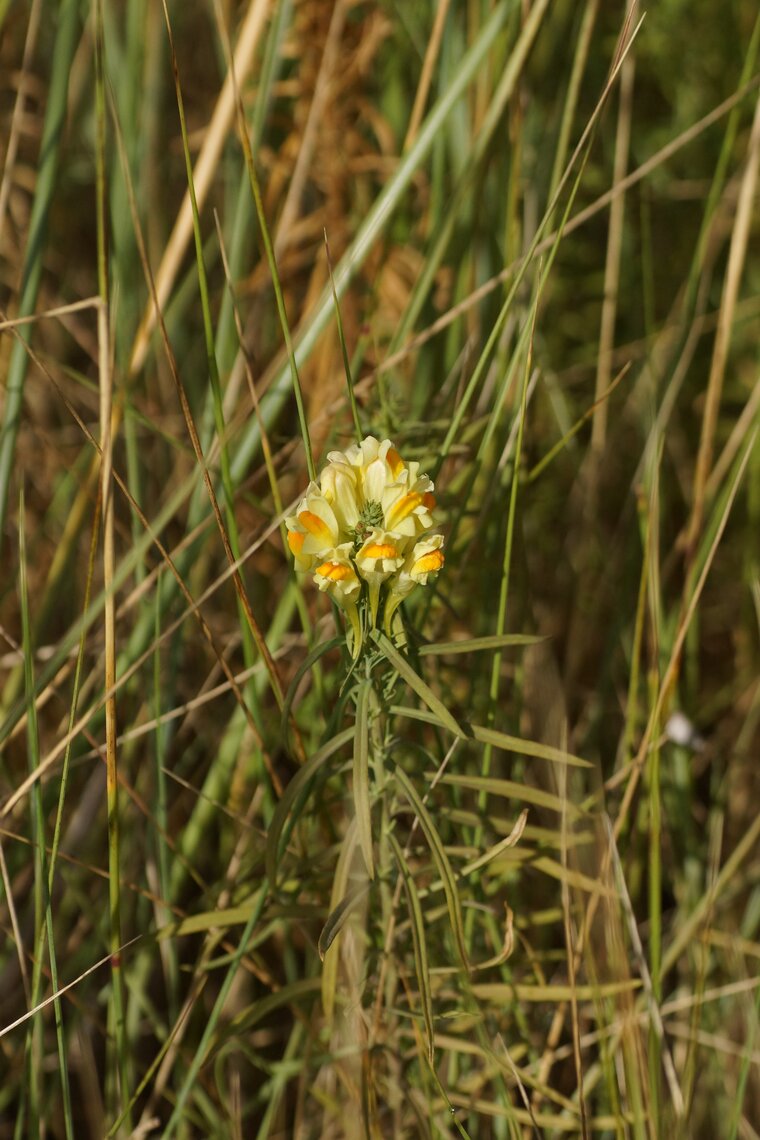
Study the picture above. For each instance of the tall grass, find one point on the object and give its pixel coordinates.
(499, 878)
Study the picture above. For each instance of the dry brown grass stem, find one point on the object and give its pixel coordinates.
(65, 989)
(170, 1049)
(570, 940)
(15, 927)
(237, 578)
(426, 75)
(653, 1009)
(330, 55)
(59, 311)
(633, 773)
(737, 252)
(19, 108)
(743, 425)
(220, 124)
(680, 1005)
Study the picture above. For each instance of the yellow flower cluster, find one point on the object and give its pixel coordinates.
(367, 522)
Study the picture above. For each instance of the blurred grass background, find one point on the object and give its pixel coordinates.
(542, 218)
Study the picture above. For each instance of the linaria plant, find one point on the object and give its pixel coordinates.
(365, 530)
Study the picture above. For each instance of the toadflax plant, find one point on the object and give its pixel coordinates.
(365, 529)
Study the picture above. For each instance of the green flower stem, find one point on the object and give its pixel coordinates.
(378, 748)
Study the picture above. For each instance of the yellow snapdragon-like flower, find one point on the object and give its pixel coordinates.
(424, 559)
(363, 529)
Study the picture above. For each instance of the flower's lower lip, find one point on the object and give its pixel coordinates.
(334, 570)
(380, 550)
(314, 525)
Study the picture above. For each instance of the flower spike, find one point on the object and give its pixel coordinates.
(365, 531)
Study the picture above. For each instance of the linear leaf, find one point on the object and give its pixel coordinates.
(502, 993)
(299, 781)
(510, 789)
(527, 747)
(329, 941)
(503, 845)
(475, 644)
(573, 878)
(418, 940)
(441, 714)
(206, 920)
(498, 739)
(441, 860)
(292, 994)
(337, 919)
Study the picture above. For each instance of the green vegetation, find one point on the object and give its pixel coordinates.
(498, 877)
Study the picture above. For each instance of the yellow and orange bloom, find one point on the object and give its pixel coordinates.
(367, 522)
(377, 560)
(424, 559)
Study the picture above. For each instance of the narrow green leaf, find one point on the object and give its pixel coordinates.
(476, 644)
(299, 781)
(329, 944)
(212, 1019)
(504, 844)
(337, 919)
(343, 348)
(66, 18)
(418, 940)
(207, 920)
(511, 790)
(528, 747)
(248, 630)
(292, 994)
(441, 861)
(277, 286)
(34, 1030)
(499, 739)
(415, 682)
